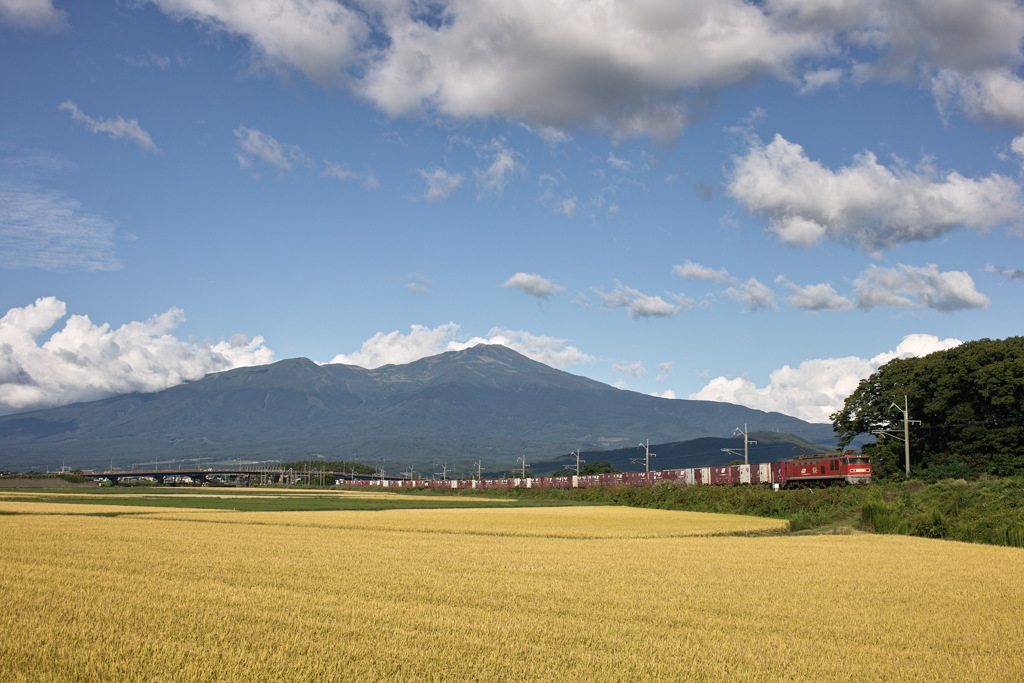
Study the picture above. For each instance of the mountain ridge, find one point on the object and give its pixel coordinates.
(486, 403)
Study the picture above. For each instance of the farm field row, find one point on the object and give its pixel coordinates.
(265, 499)
(111, 593)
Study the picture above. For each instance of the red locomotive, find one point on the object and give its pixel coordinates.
(829, 468)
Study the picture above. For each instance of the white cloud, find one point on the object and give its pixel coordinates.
(333, 170)
(664, 370)
(504, 163)
(815, 80)
(567, 207)
(254, 144)
(752, 294)
(816, 388)
(900, 287)
(621, 165)
(320, 38)
(668, 393)
(912, 287)
(419, 284)
(695, 271)
(1008, 273)
(128, 129)
(533, 284)
(33, 15)
(83, 361)
(46, 229)
(1017, 145)
(819, 297)
(640, 305)
(625, 69)
(43, 228)
(629, 369)
(992, 95)
(865, 204)
(154, 60)
(441, 184)
(421, 341)
(613, 67)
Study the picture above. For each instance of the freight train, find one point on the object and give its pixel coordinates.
(806, 470)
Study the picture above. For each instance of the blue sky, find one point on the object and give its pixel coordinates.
(713, 199)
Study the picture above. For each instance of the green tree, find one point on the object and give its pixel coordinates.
(969, 399)
(603, 467)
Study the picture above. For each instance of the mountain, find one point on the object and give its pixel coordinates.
(485, 403)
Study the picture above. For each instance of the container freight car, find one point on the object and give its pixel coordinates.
(810, 470)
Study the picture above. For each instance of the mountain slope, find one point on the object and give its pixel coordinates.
(484, 403)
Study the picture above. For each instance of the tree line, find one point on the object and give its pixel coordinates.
(966, 407)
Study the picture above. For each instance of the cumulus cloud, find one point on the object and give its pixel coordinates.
(900, 287)
(84, 361)
(533, 284)
(995, 95)
(866, 204)
(319, 38)
(441, 184)
(119, 128)
(695, 271)
(255, 145)
(912, 287)
(752, 294)
(616, 67)
(625, 69)
(421, 341)
(819, 297)
(33, 15)
(816, 388)
(640, 305)
(1017, 145)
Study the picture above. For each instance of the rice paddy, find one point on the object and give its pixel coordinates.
(110, 592)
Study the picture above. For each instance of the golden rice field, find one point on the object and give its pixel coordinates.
(579, 594)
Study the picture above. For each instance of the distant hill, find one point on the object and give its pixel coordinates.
(485, 403)
(703, 452)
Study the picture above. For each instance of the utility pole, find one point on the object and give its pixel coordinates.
(578, 461)
(747, 443)
(906, 431)
(478, 466)
(443, 472)
(647, 458)
(523, 460)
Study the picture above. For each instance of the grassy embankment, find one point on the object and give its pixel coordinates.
(986, 511)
